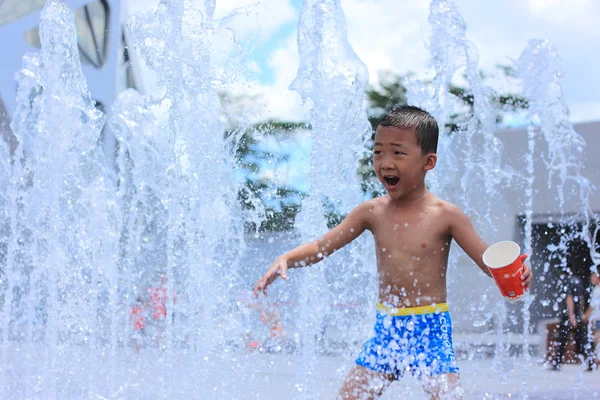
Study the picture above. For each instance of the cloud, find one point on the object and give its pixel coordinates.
(586, 12)
(376, 50)
(501, 30)
(388, 35)
(252, 24)
(392, 35)
(272, 101)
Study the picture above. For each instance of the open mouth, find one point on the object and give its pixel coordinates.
(391, 181)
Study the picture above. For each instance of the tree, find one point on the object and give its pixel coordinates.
(281, 203)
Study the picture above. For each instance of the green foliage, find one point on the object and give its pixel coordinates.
(282, 203)
(391, 91)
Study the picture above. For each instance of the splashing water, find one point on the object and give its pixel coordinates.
(82, 239)
(334, 80)
(483, 170)
(539, 69)
(472, 154)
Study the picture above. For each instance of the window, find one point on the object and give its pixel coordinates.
(126, 64)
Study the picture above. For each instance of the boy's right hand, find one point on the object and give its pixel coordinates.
(279, 267)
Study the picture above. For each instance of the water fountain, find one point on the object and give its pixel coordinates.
(333, 79)
(82, 237)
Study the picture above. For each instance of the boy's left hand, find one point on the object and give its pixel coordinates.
(527, 274)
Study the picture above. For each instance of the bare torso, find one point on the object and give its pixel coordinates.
(412, 245)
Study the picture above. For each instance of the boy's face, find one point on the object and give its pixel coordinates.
(399, 162)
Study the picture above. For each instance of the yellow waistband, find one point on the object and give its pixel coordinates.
(396, 312)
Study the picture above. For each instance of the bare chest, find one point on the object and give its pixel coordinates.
(413, 236)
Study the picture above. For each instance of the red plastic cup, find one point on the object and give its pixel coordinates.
(505, 262)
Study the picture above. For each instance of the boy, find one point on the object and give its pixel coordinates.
(412, 229)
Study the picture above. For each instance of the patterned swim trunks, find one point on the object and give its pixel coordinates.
(415, 339)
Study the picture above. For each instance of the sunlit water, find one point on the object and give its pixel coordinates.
(86, 232)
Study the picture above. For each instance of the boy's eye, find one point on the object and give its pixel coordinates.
(398, 153)
(377, 152)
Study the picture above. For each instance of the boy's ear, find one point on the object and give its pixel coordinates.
(430, 161)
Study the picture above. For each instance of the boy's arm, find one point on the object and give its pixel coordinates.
(464, 234)
(462, 231)
(312, 252)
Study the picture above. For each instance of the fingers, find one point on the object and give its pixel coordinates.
(283, 270)
(526, 282)
(269, 277)
(257, 287)
(527, 276)
(261, 286)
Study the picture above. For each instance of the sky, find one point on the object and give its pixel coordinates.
(391, 35)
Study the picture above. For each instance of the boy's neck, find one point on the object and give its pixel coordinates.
(414, 198)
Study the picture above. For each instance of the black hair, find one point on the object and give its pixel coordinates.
(407, 117)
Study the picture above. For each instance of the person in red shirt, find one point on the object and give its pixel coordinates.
(138, 321)
(157, 300)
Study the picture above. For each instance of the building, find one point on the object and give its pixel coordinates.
(102, 46)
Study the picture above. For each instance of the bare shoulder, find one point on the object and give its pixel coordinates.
(455, 218)
(448, 208)
(368, 211)
(376, 206)
(377, 203)
(447, 212)
(442, 206)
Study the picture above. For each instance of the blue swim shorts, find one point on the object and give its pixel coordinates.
(416, 339)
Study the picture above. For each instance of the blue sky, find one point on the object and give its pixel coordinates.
(263, 50)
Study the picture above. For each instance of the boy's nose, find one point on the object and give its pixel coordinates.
(387, 164)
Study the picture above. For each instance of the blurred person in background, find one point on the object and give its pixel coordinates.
(571, 320)
(592, 314)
